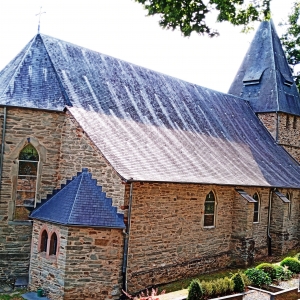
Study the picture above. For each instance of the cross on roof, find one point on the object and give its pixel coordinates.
(39, 14)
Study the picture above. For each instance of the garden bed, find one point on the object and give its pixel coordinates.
(277, 293)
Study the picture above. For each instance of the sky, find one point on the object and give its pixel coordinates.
(120, 28)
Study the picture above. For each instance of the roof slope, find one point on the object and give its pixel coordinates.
(264, 77)
(81, 202)
(153, 127)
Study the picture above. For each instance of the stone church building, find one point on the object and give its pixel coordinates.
(115, 176)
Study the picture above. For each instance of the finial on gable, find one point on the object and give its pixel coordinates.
(39, 14)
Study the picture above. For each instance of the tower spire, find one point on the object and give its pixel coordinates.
(39, 14)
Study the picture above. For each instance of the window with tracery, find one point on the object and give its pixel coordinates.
(53, 244)
(44, 241)
(27, 181)
(209, 210)
(256, 208)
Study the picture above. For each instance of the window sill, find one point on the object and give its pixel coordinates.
(20, 223)
(209, 227)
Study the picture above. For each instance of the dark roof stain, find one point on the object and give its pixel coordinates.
(265, 78)
(80, 203)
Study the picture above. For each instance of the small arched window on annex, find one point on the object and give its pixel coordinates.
(289, 197)
(27, 182)
(256, 208)
(53, 244)
(43, 241)
(209, 210)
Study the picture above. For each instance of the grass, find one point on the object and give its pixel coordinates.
(184, 283)
(15, 295)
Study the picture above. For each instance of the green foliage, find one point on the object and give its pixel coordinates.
(189, 15)
(292, 263)
(258, 277)
(195, 290)
(239, 284)
(297, 256)
(269, 269)
(283, 273)
(291, 40)
(208, 288)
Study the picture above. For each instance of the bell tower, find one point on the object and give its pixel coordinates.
(265, 80)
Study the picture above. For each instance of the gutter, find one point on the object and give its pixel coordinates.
(2, 144)
(126, 242)
(269, 224)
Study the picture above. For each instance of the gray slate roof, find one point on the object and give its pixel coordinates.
(80, 203)
(265, 78)
(149, 126)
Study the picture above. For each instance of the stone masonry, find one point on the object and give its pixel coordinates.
(64, 150)
(87, 266)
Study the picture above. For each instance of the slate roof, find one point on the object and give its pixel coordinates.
(265, 78)
(150, 126)
(80, 203)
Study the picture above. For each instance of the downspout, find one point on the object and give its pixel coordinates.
(126, 241)
(269, 224)
(2, 144)
(277, 127)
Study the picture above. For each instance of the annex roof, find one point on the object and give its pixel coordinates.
(80, 203)
(150, 126)
(265, 78)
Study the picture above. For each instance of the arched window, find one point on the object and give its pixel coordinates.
(209, 210)
(256, 208)
(44, 241)
(53, 244)
(289, 197)
(27, 180)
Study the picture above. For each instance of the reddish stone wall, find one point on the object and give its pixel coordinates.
(48, 272)
(93, 264)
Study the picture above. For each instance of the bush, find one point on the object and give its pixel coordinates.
(269, 269)
(208, 288)
(297, 256)
(258, 277)
(292, 263)
(221, 286)
(195, 290)
(239, 284)
(283, 273)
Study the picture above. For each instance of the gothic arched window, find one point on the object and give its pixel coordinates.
(289, 197)
(209, 209)
(53, 244)
(44, 241)
(256, 208)
(27, 180)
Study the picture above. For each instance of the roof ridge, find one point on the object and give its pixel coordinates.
(69, 103)
(75, 199)
(21, 61)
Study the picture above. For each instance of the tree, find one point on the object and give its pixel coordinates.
(189, 15)
(291, 40)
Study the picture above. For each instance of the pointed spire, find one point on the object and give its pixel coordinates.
(265, 78)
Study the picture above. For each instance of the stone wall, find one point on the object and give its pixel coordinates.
(286, 129)
(167, 238)
(64, 150)
(44, 130)
(48, 272)
(94, 260)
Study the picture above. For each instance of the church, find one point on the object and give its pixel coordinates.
(116, 177)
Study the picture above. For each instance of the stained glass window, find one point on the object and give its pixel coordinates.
(256, 208)
(27, 179)
(209, 210)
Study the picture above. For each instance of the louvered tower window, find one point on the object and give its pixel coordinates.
(27, 181)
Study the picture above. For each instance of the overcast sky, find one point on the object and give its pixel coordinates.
(121, 29)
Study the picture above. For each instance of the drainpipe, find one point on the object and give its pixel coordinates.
(277, 127)
(126, 241)
(2, 144)
(269, 223)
